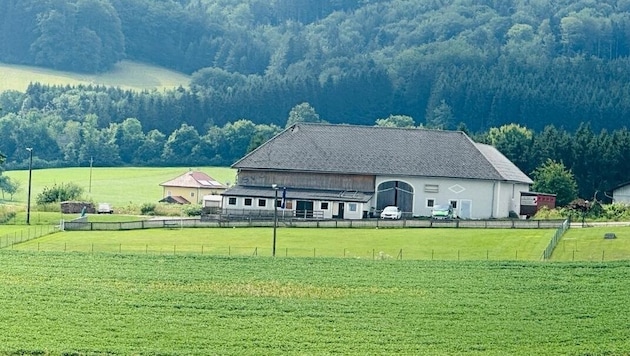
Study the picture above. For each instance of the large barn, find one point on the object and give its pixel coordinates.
(353, 172)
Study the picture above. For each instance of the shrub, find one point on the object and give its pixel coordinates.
(59, 193)
(147, 209)
(192, 210)
(6, 214)
(616, 212)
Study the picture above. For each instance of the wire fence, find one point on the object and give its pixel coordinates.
(244, 251)
(19, 236)
(566, 225)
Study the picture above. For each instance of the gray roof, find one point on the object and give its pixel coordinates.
(373, 150)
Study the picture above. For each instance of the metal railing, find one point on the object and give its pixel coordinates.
(566, 225)
(249, 221)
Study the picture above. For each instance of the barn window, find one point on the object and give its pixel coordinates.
(324, 206)
(248, 201)
(232, 201)
(192, 194)
(262, 202)
(431, 188)
(430, 203)
(353, 206)
(453, 203)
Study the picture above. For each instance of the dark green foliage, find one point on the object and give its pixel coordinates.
(554, 178)
(148, 209)
(558, 69)
(58, 193)
(193, 210)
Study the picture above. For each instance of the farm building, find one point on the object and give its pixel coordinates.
(190, 187)
(353, 172)
(621, 193)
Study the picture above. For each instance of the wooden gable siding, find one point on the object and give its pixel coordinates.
(363, 183)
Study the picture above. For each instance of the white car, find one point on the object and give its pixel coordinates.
(391, 212)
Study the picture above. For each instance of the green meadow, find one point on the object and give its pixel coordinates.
(126, 75)
(118, 186)
(97, 304)
(422, 244)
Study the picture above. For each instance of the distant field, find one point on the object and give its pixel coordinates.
(83, 304)
(424, 244)
(118, 186)
(126, 75)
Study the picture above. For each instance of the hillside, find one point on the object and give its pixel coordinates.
(126, 75)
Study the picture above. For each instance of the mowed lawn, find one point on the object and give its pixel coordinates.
(589, 244)
(84, 304)
(420, 243)
(119, 186)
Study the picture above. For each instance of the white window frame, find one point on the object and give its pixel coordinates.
(431, 200)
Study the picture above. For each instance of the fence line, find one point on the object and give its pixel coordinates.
(16, 237)
(287, 252)
(555, 239)
(298, 223)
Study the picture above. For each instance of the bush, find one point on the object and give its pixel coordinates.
(192, 210)
(6, 214)
(59, 193)
(615, 212)
(147, 209)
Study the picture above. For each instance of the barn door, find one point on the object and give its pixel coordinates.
(465, 209)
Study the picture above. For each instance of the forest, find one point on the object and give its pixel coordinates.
(558, 69)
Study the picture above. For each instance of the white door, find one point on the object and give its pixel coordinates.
(465, 208)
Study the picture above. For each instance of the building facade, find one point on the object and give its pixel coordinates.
(353, 172)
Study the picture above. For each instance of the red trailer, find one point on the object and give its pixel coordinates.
(532, 202)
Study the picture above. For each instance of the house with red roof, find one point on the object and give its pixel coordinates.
(190, 187)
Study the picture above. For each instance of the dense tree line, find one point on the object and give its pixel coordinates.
(484, 63)
(561, 69)
(598, 160)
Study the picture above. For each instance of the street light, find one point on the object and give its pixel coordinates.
(30, 175)
(275, 217)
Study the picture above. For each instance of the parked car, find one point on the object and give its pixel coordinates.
(104, 208)
(442, 212)
(391, 212)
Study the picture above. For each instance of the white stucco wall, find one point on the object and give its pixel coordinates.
(487, 199)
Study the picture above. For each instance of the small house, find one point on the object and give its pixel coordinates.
(191, 187)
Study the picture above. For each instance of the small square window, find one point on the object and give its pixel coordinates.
(353, 207)
(324, 205)
(192, 194)
(248, 201)
(232, 201)
(430, 203)
(262, 202)
(453, 204)
(279, 203)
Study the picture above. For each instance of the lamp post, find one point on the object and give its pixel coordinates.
(275, 217)
(30, 175)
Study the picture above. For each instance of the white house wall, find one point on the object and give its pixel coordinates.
(622, 195)
(487, 198)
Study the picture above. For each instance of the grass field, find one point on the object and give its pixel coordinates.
(118, 186)
(126, 75)
(73, 303)
(588, 244)
(425, 244)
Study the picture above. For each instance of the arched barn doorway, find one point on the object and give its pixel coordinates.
(395, 193)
